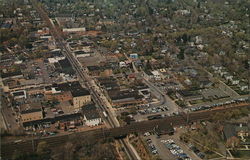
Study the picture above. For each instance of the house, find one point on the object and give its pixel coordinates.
(122, 64)
(236, 130)
(242, 130)
(133, 56)
(31, 115)
(157, 75)
(91, 115)
(80, 97)
(217, 67)
(228, 77)
(222, 72)
(235, 81)
(243, 86)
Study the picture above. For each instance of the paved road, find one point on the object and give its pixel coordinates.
(83, 76)
(8, 117)
(164, 99)
(222, 85)
(219, 101)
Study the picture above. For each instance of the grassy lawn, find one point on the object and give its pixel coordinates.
(241, 154)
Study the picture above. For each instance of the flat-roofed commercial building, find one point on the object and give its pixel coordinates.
(31, 115)
(80, 98)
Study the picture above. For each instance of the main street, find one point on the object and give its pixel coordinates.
(83, 76)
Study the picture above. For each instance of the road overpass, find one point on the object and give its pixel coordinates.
(8, 148)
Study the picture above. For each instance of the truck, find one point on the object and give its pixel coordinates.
(105, 114)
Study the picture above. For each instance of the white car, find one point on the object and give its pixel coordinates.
(163, 141)
(146, 134)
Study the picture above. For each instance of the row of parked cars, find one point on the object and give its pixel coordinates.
(208, 107)
(197, 151)
(153, 110)
(152, 146)
(175, 149)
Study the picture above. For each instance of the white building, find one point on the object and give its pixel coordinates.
(235, 81)
(157, 75)
(74, 29)
(19, 94)
(91, 115)
(122, 64)
(55, 59)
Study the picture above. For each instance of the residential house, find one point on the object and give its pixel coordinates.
(157, 75)
(243, 86)
(235, 81)
(236, 130)
(242, 130)
(133, 56)
(228, 77)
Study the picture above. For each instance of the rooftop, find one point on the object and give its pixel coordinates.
(80, 92)
(31, 111)
(90, 111)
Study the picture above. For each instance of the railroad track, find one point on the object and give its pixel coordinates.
(27, 146)
(8, 149)
(80, 70)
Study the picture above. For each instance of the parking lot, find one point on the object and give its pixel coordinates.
(219, 104)
(146, 109)
(169, 147)
(213, 93)
(149, 113)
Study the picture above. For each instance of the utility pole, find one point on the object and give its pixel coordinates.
(187, 116)
(33, 146)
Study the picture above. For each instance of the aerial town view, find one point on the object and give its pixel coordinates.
(125, 79)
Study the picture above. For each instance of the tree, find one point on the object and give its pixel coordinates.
(233, 142)
(69, 147)
(42, 148)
